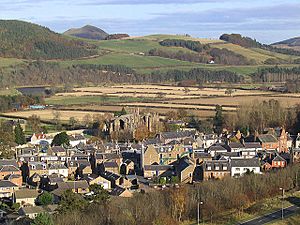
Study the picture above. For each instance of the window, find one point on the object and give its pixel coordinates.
(237, 169)
(224, 167)
(217, 167)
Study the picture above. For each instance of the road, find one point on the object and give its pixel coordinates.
(272, 216)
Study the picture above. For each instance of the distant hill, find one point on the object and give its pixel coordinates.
(25, 40)
(88, 32)
(293, 43)
(290, 42)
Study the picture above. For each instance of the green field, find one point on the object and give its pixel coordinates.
(130, 60)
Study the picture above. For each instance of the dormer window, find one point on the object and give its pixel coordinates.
(217, 167)
(31, 159)
(33, 167)
(224, 167)
(208, 167)
(44, 167)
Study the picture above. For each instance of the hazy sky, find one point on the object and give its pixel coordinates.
(266, 20)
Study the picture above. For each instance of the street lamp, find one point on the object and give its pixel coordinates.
(281, 189)
(199, 205)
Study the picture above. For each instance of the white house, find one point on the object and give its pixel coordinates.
(37, 138)
(251, 149)
(76, 139)
(242, 166)
(58, 169)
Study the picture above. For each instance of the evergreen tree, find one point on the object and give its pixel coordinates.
(19, 135)
(61, 139)
(218, 120)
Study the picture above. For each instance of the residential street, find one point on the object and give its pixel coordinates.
(272, 216)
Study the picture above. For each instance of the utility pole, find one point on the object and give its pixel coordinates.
(282, 202)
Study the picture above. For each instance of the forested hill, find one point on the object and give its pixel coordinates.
(20, 39)
(248, 42)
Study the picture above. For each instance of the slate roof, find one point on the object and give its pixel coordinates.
(254, 162)
(158, 167)
(38, 209)
(58, 149)
(213, 164)
(252, 145)
(110, 176)
(236, 145)
(57, 166)
(279, 158)
(267, 138)
(27, 193)
(110, 164)
(7, 183)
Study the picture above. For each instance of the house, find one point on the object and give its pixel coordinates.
(8, 167)
(121, 192)
(110, 166)
(167, 137)
(40, 168)
(57, 168)
(58, 151)
(33, 211)
(99, 180)
(77, 139)
(7, 188)
(207, 140)
(297, 141)
(80, 187)
(250, 149)
(268, 142)
(15, 178)
(217, 149)
(150, 156)
(184, 168)
(278, 162)
(158, 170)
(242, 166)
(201, 157)
(26, 196)
(127, 167)
(37, 138)
(216, 169)
(115, 179)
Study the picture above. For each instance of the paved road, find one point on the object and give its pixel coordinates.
(272, 216)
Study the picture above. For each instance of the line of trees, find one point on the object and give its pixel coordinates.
(42, 73)
(10, 102)
(276, 74)
(173, 206)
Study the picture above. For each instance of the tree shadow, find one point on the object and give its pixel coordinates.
(294, 200)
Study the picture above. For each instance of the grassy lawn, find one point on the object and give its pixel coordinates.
(6, 62)
(260, 208)
(84, 100)
(9, 91)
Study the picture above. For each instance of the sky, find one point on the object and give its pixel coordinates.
(267, 21)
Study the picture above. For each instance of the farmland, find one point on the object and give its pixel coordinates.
(158, 98)
(48, 114)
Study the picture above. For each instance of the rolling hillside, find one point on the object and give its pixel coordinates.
(293, 43)
(88, 32)
(24, 40)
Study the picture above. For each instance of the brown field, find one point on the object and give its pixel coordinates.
(240, 100)
(48, 114)
(154, 90)
(200, 102)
